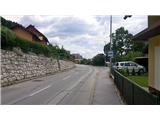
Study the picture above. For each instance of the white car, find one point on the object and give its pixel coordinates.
(130, 65)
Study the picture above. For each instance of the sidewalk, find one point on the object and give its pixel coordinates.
(105, 90)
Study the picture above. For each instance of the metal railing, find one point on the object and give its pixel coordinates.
(132, 93)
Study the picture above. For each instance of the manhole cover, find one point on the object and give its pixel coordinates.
(37, 80)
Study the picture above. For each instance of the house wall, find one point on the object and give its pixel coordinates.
(32, 29)
(22, 33)
(153, 43)
(152, 20)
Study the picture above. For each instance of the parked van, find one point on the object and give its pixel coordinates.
(130, 65)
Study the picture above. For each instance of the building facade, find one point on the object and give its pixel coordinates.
(30, 33)
(152, 35)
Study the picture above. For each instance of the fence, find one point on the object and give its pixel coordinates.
(132, 93)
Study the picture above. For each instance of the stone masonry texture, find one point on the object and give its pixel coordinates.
(16, 68)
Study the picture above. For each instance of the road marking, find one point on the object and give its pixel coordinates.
(74, 85)
(62, 94)
(40, 90)
(93, 87)
(66, 77)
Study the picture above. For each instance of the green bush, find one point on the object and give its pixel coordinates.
(98, 60)
(9, 40)
(133, 72)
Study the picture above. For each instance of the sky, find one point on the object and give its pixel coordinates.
(83, 34)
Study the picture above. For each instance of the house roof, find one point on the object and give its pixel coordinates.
(148, 32)
(23, 28)
(32, 29)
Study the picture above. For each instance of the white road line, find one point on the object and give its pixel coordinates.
(40, 90)
(60, 96)
(66, 77)
(84, 76)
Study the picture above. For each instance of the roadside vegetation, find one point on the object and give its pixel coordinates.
(98, 60)
(10, 40)
(124, 48)
(139, 78)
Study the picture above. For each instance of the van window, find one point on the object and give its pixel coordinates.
(121, 64)
(127, 64)
(133, 64)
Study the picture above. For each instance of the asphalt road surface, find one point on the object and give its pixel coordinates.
(83, 85)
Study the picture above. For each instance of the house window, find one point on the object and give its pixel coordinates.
(41, 37)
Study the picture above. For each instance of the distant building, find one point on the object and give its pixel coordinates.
(77, 57)
(152, 35)
(30, 33)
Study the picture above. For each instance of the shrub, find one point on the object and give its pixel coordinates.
(127, 71)
(133, 72)
(10, 40)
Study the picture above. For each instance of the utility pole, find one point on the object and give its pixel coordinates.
(110, 39)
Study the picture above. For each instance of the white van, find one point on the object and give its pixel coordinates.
(130, 65)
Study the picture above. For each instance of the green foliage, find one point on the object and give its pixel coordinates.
(122, 40)
(132, 55)
(98, 60)
(124, 72)
(7, 23)
(133, 72)
(9, 40)
(86, 62)
(141, 80)
(123, 46)
(127, 72)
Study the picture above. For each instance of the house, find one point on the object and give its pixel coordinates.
(30, 33)
(42, 38)
(77, 58)
(152, 35)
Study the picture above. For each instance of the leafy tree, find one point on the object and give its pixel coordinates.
(138, 46)
(122, 45)
(132, 55)
(7, 23)
(98, 60)
(86, 61)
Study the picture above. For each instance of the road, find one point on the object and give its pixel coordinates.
(83, 85)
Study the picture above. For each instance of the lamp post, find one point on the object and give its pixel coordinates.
(110, 39)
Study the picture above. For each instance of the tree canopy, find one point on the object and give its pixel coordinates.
(122, 45)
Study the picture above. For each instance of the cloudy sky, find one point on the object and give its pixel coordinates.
(80, 34)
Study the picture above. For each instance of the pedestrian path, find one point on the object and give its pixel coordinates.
(105, 90)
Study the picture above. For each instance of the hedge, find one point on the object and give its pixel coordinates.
(9, 40)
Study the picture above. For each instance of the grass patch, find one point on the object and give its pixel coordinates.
(141, 80)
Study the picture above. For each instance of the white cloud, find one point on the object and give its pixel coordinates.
(81, 34)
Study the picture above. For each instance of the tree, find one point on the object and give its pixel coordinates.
(122, 41)
(98, 60)
(132, 55)
(122, 45)
(7, 23)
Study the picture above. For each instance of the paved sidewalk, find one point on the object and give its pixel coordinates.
(105, 90)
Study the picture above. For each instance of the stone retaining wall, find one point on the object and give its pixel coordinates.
(16, 67)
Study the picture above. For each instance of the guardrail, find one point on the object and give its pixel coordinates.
(132, 93)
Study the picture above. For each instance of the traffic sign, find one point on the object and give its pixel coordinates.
(110, 54)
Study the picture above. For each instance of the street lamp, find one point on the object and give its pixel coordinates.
(110, 39)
